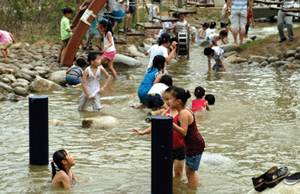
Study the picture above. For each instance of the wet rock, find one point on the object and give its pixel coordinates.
(272, 64)
(150, 41)
(291, 66)
(145, 46)
(22, 80)
(42, 73)
(24, 76)
(229, 54)
(273, 59)
(19, 84)
(290, 53)
(127, 61)
(280, 188)
(263, 64)
(38, 64)
(58, 77)
(6, 80)
(131, 77)
(39, 84)
(297, 56)
(298, 49)
(255, 64)
(290, 59)
(134, 52)
(10, 77)
(7, 71)
(21, 91)
(6, 87)
(100, 122)
(20, 45)
(11, 97)
(229, 47)
(258, 59)
(214, 159)
(278, 63)
(28, 72)
(241, 60)
(232, 59)
(56, 122)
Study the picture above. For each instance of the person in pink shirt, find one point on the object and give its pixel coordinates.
(199, 103)
(6, 40)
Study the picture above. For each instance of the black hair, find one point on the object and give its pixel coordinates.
(175, 15)
(58, 157)
(174, 39)
(164, 38)
(170, 89)
(208, 51)
(199, 92)
(107, 25)
(223, 33)
(166, 79)
(210, 99)
(158, 62)
(156, 1)
(225, 1)
(205, 24)
(212, 24)
(67, 10)
(182, 94)
(92, 57)
(80, 62)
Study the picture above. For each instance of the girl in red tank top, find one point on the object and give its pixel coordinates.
(187, 128)
(178, 142)
(199, 103)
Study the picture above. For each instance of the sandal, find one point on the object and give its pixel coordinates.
(275, 175)
(259, 182)
(293, 179)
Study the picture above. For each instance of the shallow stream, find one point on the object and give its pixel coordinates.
(254, 123)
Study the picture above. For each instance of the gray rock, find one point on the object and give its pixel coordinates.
(127, 61)
(229, 54)
(255, 64)
(278, 63)
(298, 49)
(56, 122)
(291, 66)
(290, 59)
(272, 64)
(290, 53)
(21, 91)
(44, 68)
(58, 77)
(22, 80)
(100, 122)
(6, 80)
(37, 57)
(258, 59)
(24, 76)
(285, 62)
(20, 45)
(38, 64)
(265, 63)
(229, 47)
(134, 52)
(146, 46)
(11, 97)
(131, 77)
(6, 87)
(273, 59)
(7, 71)
(19, 84)
(28, 72)
(298, 65)
(39, 84)
(42, 73)
(280, 188)
(241, 60)
(10, 77)
(297, 55)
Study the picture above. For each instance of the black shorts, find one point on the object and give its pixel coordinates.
(223, 25)
(247, 28)
(154, 100)
(131, 10)
(179, 154)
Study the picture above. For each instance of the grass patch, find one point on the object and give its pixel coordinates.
(250, 44)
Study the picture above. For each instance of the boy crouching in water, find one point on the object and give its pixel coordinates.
(91, 84)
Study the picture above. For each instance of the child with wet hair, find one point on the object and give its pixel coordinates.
(210, 99)
(199, 104)
(187, 128)
(61, 164)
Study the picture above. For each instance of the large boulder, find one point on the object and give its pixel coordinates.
(134, 52)
(127, 61)
(58, 77)
(229, 47)
(281, 188)
(40, 84)
(101, 122)
(258, 59)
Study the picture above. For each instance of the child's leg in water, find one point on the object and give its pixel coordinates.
(192, 176)
(178, 167)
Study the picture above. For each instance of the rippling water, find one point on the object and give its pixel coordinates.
(254, 123)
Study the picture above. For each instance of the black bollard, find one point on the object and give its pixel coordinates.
(38, 130)
(162, 155)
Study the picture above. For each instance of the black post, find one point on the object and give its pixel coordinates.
(162, 155)
(38, 130)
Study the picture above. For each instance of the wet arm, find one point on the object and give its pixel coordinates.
(147, 131)
(223, 40)
(209, 66)
(107, 79)
(158, 77)
(73, 175)
(221, 60)
(183, 128)
(200, 34)
(170, 56)
(84, 76)
(207, 105)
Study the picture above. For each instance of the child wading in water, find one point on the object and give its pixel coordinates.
(199, 103)
(187, 128)
(178, 144)
(91, 84)
(63, 161)
(109, 49)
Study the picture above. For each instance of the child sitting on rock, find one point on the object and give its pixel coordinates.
(6, 40)
(74, 73)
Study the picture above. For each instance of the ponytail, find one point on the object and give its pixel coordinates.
(183, 95)
(108, 26)
(58, 157)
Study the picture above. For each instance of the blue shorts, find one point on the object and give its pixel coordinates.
(154, 100)
(193, 162)
(119, 15)
(218, 63)
(73, 81)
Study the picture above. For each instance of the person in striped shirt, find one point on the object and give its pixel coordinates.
(75, 72)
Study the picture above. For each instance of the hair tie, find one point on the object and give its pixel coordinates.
(186, 91)
(52, 161)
